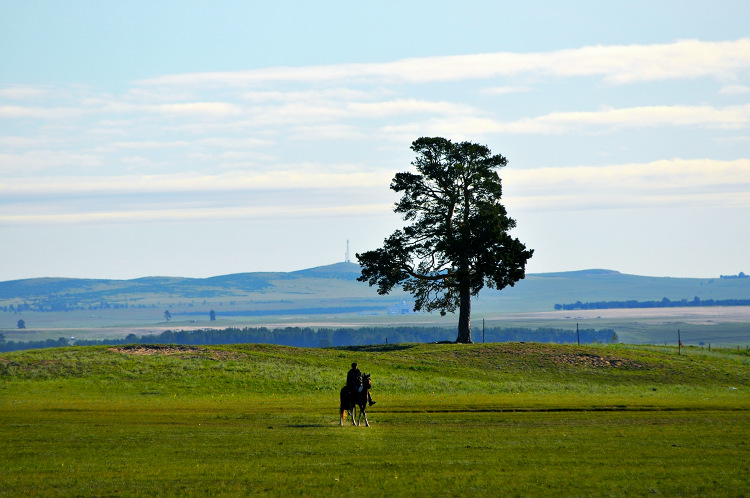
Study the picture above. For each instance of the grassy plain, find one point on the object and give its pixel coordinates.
(457, 420)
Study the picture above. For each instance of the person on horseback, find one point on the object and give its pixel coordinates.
(354, 383)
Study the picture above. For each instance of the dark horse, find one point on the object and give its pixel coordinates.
(351, 400)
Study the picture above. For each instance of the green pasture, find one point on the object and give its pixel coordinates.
(456, 420)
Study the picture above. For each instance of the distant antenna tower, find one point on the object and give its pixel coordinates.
(346, 257)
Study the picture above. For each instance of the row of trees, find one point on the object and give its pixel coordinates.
(21, 345)
(328, 337)
(739, 275)
(47, 306)
(664, 303)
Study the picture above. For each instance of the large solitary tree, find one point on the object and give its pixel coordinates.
(458, 239)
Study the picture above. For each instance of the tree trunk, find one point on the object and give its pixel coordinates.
(464, 316)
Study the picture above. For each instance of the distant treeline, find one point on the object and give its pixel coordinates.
(664, 303)
(64, 304)
(327, 337)
(45, 305)
(739, 275)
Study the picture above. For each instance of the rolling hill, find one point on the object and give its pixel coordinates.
(335, 287)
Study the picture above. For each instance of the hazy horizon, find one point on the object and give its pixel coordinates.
(353, 262)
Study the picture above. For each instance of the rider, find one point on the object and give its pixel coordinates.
(354, 382)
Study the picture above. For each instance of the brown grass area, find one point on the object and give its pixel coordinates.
(575, 358)
(154, 349)
(173, 350)
(593, 360)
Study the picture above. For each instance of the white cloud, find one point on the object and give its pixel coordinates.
(195, 214)
(314, 95)
(206, 109)
(21, 92)
(22, 112)
(504, 90)
(408, 106)
(12, 164)
(684, 59)
(103, 106)
(677, 182)
(731, 117)
(328, 131)
(732, 140)
(140, 145)
(254, 133)
(20, 142)
(285, 177)
(696, 182)
(647, 116)
(734, 90)
(234, 143)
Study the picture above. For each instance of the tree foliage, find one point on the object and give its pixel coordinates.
(458, 240)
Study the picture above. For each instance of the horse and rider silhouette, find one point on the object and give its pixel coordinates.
(356, 393)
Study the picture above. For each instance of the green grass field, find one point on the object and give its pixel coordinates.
(455, 420)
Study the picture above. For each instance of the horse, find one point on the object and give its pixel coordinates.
(350, 401)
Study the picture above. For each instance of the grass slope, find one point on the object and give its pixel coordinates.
(512, 419)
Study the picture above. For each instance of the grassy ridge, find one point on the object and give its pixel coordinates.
(520, 419)
(403, 368)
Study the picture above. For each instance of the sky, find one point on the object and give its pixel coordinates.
(199, 138)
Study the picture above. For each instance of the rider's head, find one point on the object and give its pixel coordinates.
(354, 365)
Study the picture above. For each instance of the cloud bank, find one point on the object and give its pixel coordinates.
(323, 140)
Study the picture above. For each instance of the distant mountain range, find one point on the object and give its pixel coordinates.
(334, 288)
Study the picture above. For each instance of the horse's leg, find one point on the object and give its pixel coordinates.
(363, 413)
(342, 405)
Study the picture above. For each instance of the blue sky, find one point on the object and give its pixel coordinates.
(204, 138)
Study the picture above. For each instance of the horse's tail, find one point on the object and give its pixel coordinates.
(344, 402)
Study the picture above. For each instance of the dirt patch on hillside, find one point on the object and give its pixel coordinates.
(155, 349)
(594, 360)
(173, 350)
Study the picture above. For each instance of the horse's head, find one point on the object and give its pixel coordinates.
(366, 381)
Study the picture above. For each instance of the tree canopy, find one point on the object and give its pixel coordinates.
(458, 240)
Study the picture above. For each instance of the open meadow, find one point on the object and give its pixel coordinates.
(458, 420)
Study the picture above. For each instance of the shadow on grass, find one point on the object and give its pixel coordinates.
(308, 426)
(592, 409)
(377, 348)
